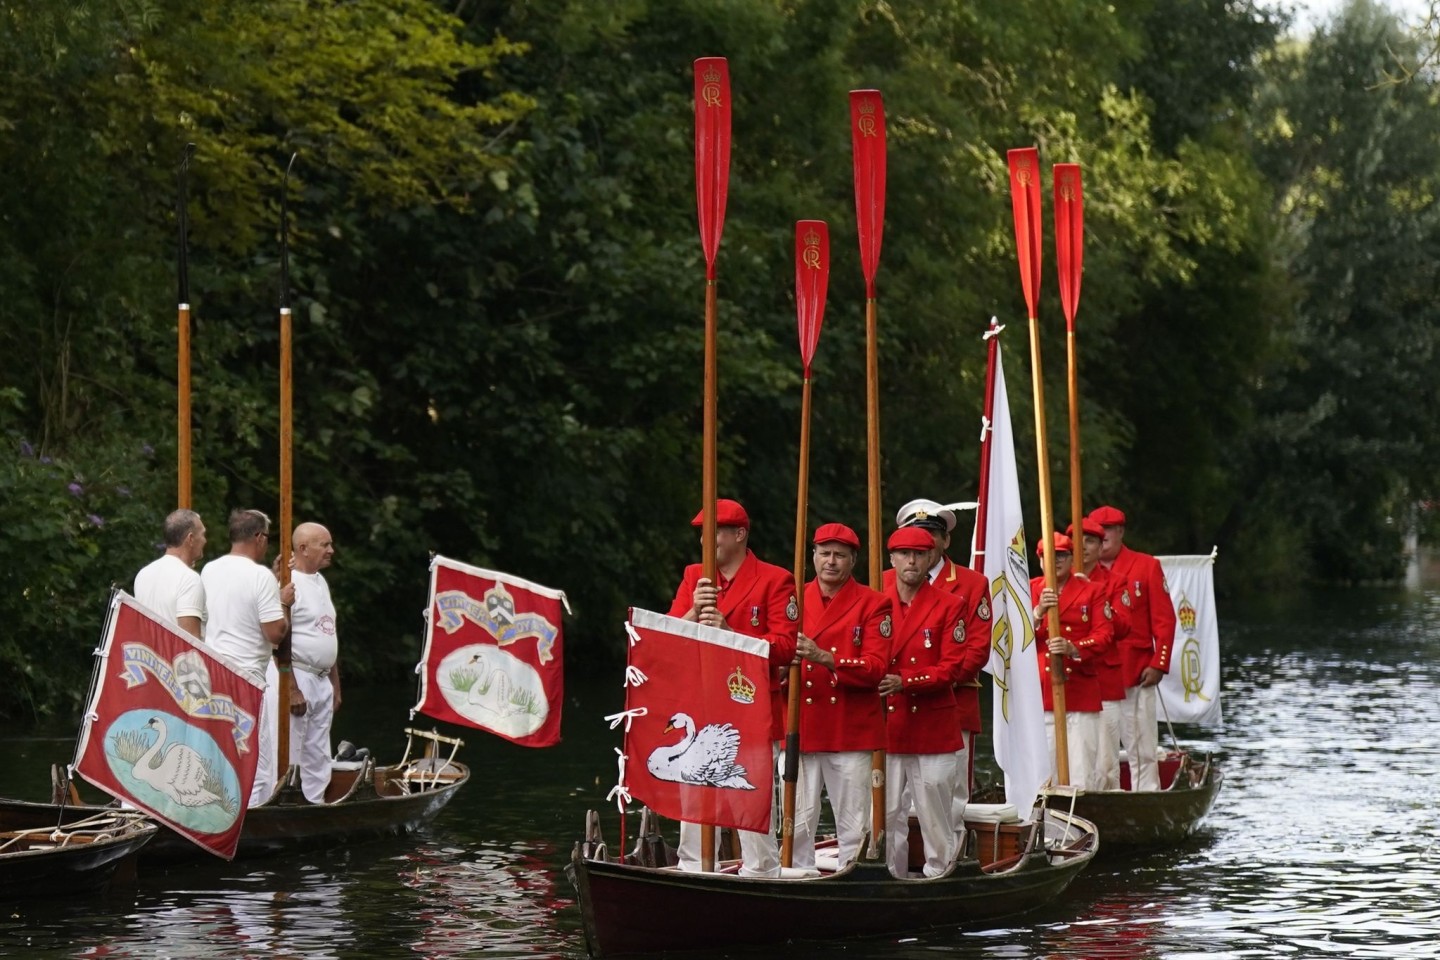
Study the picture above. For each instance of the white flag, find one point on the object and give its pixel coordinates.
(1018, 724)
(1190, 692)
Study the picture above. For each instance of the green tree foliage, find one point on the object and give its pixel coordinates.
(498, 281)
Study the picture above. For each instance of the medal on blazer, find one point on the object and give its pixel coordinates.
(856, 637)
(927, 638)
(959, 632)
(1137, 589)
(983, 610)
(792, 609)
(885, 627)
(1084, 613)
(755, 616)
(1125, 597)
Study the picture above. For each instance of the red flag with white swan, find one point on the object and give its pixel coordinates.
(170, 728)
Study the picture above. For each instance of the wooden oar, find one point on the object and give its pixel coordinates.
(1025, 203)
(282, 654)
(1069, 257)
(867, 138)
(712, 184)
(812, 279)
(182, 327)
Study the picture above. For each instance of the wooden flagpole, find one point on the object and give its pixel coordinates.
(1025, 203)
(867, 139)
(1069, 258)
(712, 184)
(182, 327)
(812, 279)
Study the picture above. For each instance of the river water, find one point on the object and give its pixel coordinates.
(1325, 840)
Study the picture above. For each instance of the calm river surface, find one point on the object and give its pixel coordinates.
(1325, 840)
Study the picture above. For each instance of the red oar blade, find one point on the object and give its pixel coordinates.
(1025, 202)
(712, 152)
(1069, 236)
(867, 136)
(812, 280)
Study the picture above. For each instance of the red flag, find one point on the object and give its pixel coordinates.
(177, 738)
(700, 751)
(493, 654)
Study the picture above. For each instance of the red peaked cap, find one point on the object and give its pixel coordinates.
(1062, 545)
(837, 533)
(1090, 528)
(911, 538)
(1107, 517)
(728, 513)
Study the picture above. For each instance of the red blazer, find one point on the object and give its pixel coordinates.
(839, 709)
(927, 647)
(1152, 614)
(1109, 668)
(974, 592)
(758, 602)
(1085, 621)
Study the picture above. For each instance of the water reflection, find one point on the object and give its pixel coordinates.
(1324, 841)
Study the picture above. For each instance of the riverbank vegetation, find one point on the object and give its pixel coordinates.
(498, 284)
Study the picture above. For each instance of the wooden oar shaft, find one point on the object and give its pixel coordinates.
(1077, 500)
(182, 433)
(875, 534)
(1047, 538)
(792, 714)
(709, 483)
(287, 417)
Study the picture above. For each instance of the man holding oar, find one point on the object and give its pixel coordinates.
(1085, 635)
(844, 647)
(922, 730)
(1108, 668)
(1146, 650)
(757, 599)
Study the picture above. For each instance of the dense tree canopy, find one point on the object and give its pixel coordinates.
(499, 283)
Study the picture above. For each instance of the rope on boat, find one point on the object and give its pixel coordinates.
(97, 827)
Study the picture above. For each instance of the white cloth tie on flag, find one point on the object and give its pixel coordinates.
(626, 717)
(634, 676)
(1190, 692)
(620, 792)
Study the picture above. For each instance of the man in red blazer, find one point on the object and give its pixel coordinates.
(1085, 635)
(843, 650)
(757, 599)
(974, 592)
(1145, 651)
(922, 731)
(1112, 683)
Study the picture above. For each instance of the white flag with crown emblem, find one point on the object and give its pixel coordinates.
(1190, 692)
(1018, 721)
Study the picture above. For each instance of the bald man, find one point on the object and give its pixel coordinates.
(314, 659)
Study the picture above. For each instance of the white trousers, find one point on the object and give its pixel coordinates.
(1110, 744)
(930, 778)
(310, 734)
(845, 777)
(1138, 736)
(269, 735)
(1082, 737)
(759, 852)
(964, 757)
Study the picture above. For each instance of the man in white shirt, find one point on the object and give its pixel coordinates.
(249, 617)
(314, 653)
(169, 585)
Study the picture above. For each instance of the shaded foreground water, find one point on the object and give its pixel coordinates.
(1324, 842)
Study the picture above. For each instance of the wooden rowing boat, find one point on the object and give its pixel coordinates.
(364, 803)
(635, 905)
(43, 859)
(1136, 821)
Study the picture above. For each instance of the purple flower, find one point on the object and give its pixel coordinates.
(75, 489)
(146, 449)
(25, 449)
(46, 460)
(123, 491)
(96, 520)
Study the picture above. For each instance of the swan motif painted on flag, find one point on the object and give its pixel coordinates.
(171, 728)
(698, 702)
(492, 655)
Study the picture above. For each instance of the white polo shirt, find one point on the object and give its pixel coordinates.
(169, 587)
(313, 642)
(240, 595)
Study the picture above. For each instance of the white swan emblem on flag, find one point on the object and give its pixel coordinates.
(706, 757)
